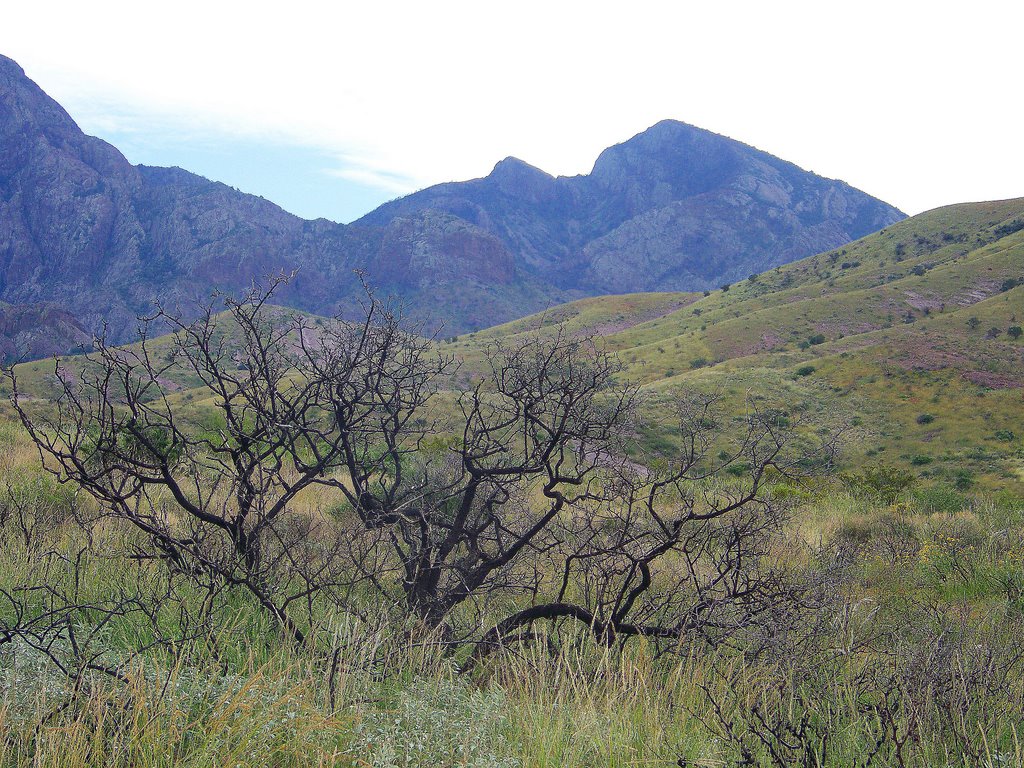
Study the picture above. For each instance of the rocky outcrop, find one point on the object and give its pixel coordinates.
(86, 234)
(31, 331)
(674, 208)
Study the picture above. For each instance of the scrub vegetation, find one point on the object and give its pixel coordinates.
(273, 539)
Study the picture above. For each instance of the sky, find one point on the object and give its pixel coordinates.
(330, 109)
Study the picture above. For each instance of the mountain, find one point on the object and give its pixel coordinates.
(84, 230)
(85, 233)
(674, 208)
(909, 336)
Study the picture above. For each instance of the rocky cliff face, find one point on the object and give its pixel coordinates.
(673, 208)
(83, 229)
(29, 331)
(88, 236)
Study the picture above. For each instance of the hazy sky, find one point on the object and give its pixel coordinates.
(331, 108)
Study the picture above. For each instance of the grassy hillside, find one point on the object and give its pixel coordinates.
(904, 334)
(899, 646)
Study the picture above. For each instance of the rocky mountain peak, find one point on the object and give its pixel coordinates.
(86, 234)
(670, 160)
(10, 68)
(517, 178)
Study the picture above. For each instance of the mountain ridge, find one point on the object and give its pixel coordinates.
(85, 232)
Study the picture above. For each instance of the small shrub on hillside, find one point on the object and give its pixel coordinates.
(939, 499)
(818, 338)
(1014, 332)
(698, 362)
(953, 550)
(920, 460)
(895, 539)
(1009, 228)
(805, 370)
(925, 418)
(852, 536)
(738, 469)
(963, 479)
(883, 483)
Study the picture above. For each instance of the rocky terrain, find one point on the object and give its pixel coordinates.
(88, 241)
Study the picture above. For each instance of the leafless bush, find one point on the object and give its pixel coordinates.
(519, 494)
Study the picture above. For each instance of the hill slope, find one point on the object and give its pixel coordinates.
(85, 233)
(905, 334)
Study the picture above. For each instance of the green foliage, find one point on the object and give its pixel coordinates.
(963, 479)
(939, 499)
(1009, 228)
(880, 482)
(805, 370)
(925, 418)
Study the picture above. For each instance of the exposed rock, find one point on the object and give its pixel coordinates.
(675, 207)
(30, 331)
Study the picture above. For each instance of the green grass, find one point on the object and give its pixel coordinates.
(870, 366)
(926, 520)
(394, 699)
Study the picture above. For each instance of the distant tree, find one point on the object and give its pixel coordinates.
(1014, 331)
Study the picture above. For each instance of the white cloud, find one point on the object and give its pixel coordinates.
(372, 177)
(908, 101)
